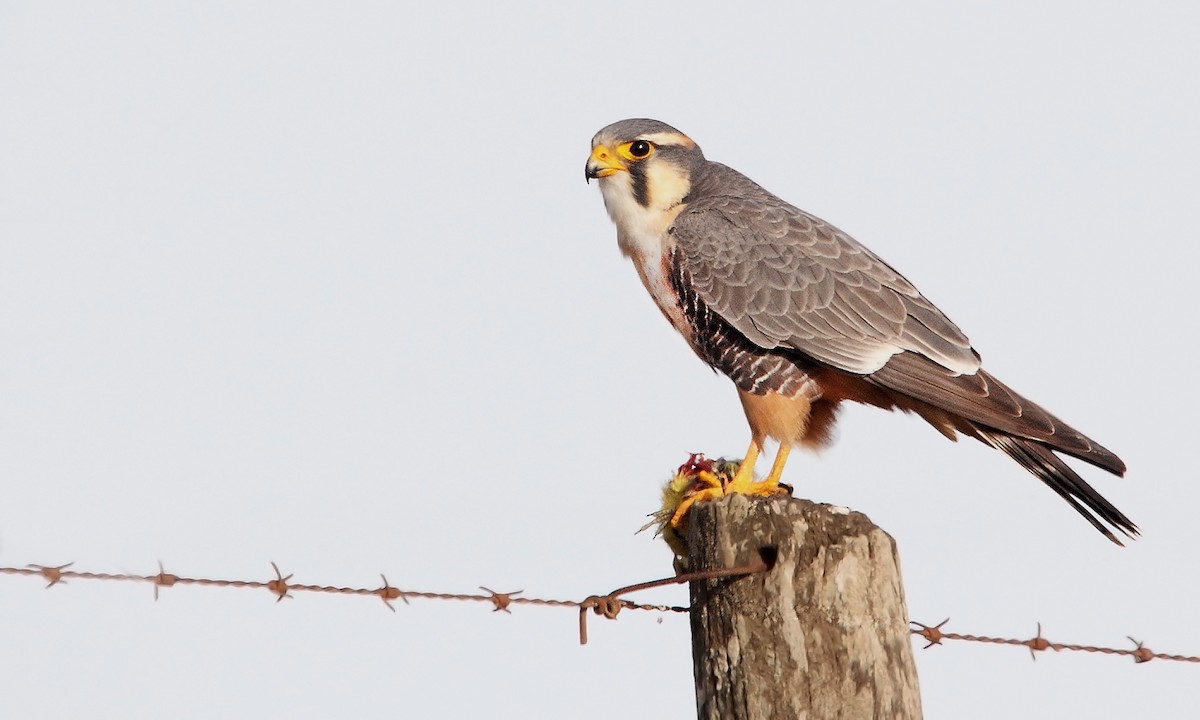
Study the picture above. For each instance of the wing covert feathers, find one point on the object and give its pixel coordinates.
(786, 279)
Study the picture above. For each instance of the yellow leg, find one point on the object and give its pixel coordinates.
(744, 483)
(777, 467)
(744, 477)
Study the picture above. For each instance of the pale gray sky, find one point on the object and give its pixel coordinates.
(324, 285)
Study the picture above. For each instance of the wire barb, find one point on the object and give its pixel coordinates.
(1038, 644)
(932, 633)
(52, 573)
(501, 601)
(389, 593)
(279, 585)
(1141, 654)
(163, 579)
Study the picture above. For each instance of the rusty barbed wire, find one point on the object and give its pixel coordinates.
(608, 605)
(1038, 643)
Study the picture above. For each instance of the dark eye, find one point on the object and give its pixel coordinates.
(639, 149)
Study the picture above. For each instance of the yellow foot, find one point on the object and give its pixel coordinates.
(706, 487)
(766, 487)
(743, 482)
(702, 479)
(697, 479)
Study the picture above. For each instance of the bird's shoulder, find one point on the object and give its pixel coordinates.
(729, 220)
(784, 277)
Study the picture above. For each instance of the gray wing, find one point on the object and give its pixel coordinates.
(784, 278)
(988, 403)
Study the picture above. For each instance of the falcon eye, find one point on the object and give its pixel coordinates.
(636, 150)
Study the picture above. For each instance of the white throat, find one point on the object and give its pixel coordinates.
(642, 229)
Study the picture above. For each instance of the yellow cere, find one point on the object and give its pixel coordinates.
(603, 157)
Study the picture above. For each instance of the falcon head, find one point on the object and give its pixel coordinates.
(644, 166)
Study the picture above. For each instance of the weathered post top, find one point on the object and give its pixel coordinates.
(822, 635)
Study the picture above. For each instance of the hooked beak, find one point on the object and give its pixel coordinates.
(602, 163)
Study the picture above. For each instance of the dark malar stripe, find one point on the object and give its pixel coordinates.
(641, 189)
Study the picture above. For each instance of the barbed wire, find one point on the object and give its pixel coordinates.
(608, 605)
(1140, 653)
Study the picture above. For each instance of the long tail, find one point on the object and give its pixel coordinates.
(1050, 469)
(985, 408)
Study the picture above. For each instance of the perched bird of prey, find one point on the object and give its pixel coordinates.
(801, 316)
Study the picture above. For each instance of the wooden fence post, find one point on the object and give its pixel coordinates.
(822, 635)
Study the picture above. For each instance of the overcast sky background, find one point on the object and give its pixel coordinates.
(324, 285)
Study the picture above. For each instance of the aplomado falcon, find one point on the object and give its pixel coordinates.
(800, 316)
